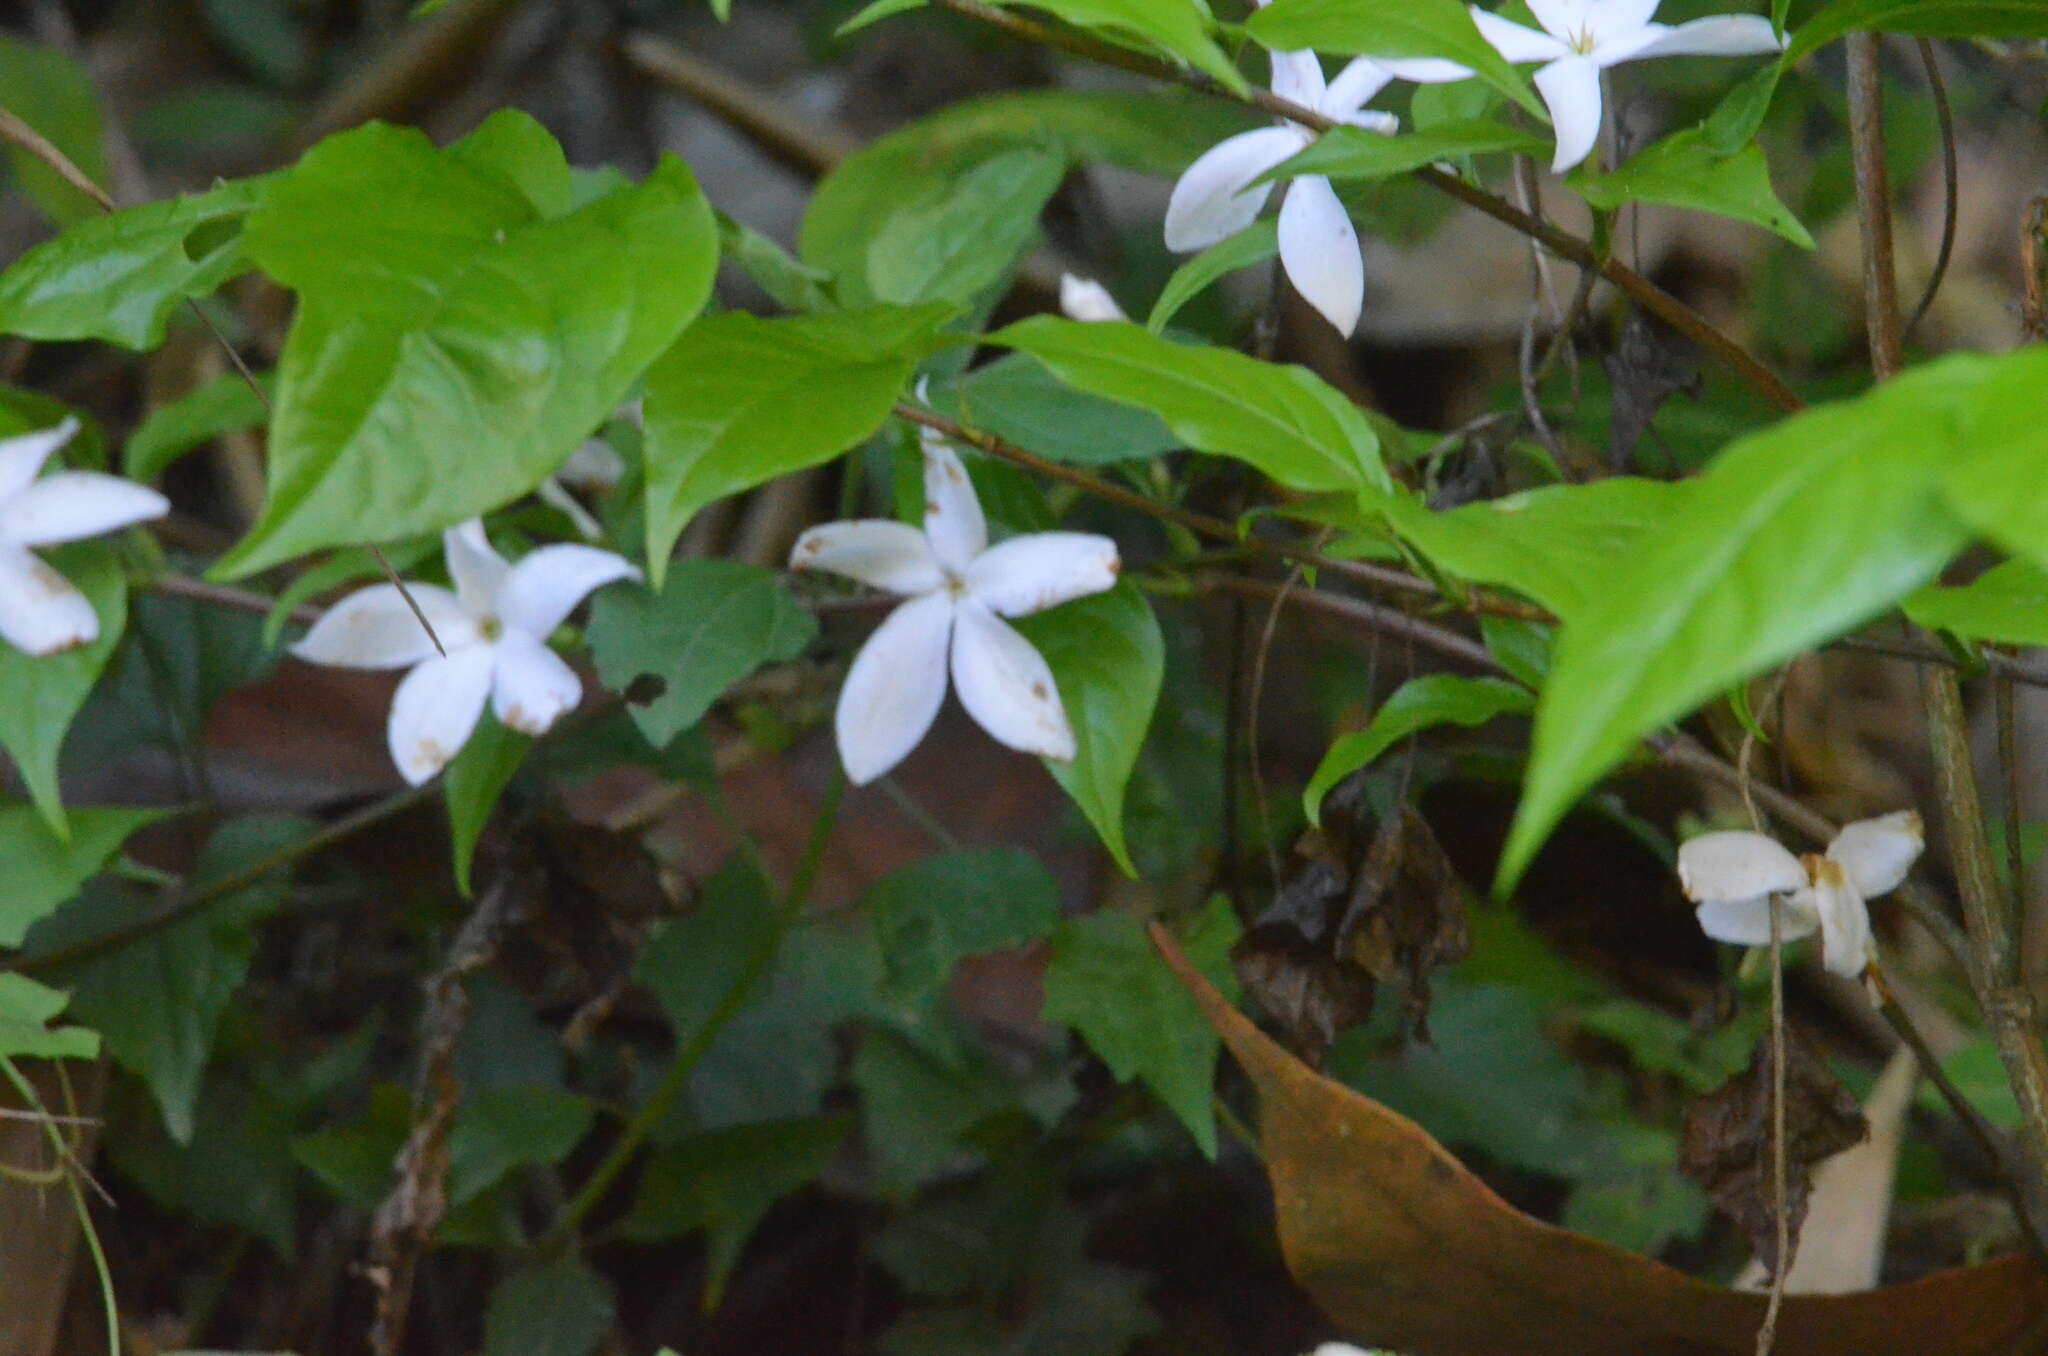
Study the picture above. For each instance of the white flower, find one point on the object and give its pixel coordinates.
(595, 465)
(1215, 198)
(494, 627)
(1581, 38)
(1087, 299)
(41, 612)
(1732, 876)
(960, 588)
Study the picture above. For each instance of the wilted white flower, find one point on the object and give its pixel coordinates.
(960, 588)
(1215, 198)
(493, 626)
(1581, 38)
(1733, 875)
(1087, 299)
(42, 612)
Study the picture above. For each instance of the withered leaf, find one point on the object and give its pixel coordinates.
(1726, 1147)
(1648, 365)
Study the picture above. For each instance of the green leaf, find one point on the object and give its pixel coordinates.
(1926, 18)
(2006, 605)
(1283, 420)
(450, 349)
(740, 400)
(1178, 28)
(1107, 661)
(1794, 535)
(237, 1169)
(511, 144)
(918, 1099)
(1354, 153)
(1688, 169)
(1106, 982)
(1555, 545)
(117, 277)
(43, 870)
(875, 13)
(474, 781)
(157, 999)
(930, 915)
(557, 1308)
(1413, 28)
(692, 963)
(789, 283)
(1996, 475)
(499, 1129)
(1735, 120)
(1019, 401)
(39, 697)
(724, 1183)
(1417, 704)
(52, 93)
(951, 244)
(223, 405)
(26, 1009)
(1255, 244)
(713, 623)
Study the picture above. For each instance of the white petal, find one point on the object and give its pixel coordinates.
(594, 465)
(436, 709)
(1298, 78)
(1570, 87)
(1606, 21)
(1514, 42)
(1005, 685)
(41, 612)
(1844, 921)
(477, 569)
(75, 504)
(374, 628)
(1210, 201)
(1319, 250)
(22, 456)
(1088, 300)
(953, 524)
(1042, 569)
(1354, 86)
(1877, 853)
(551, 492)
(545, 586)
(531, 687)
(1721, 35)
(894, 557)
(894, 688)
(1386, 124)
(1747, 922)
(1737, 865)
(1425, 70)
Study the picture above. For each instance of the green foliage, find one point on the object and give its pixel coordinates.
(1253, 245)
(1106, 982)
(53, 94)
(1355, 153)
(451, 347)
(1283, 420)
(1179, 30)
(118, 277)
(1019, 401)
(713, 623)
(473, 783)
(693, 963)
(44, 870)
(2006, 605)
(919, 1097)
(724, 1183)
(223, 405)
(740, 400)
(1416, 28)
(964, 233)
(39, 697)
(557, 1308)
(931, 914)
(26, 1011)
(1690, 169)
(1418, 704)
(1107, 658)
(1927, 18)
(499, 1129)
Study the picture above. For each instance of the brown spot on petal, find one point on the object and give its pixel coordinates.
(953, 472)
(812, 546)
(517, 719)
(430, 752)
(931, 508)
(1038, 691)
(1116, 566)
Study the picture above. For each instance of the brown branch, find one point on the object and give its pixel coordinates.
(808, 145)
(1565, 245)
(13, 129)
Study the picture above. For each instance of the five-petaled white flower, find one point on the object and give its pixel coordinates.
(1215, 198)
(41, 612)
(494, 627)
(1581, 38)
(960, 589)
(1733, 875)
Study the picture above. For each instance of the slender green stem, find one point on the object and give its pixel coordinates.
(28, 1096)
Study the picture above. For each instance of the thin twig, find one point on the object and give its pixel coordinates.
(1767, 1332)
(1945, 118)
(1386, 620)
(13, 129)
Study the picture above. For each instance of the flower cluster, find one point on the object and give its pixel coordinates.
(1578, 39)
(1733, 876)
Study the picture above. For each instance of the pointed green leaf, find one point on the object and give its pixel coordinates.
(44, 870)
(932, 914)
(2006, 605)
(1355, 153)
(39, 697)
(556, 1308)
(1417, 704)
(958, 240)
(1687, 169)
(1019, 401)
(1177, 27)
(1926, 18)
(26, 1009)
(223, 405)
(1412, 28)
(473, 783)
(1255, 244)
(499, 1129)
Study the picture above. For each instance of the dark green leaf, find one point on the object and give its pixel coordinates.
(1107, 659)
(713, 623)
(1927, 18)
(38, 697)
(52, 93)
(1255, 244)
(2006, 605)
(1413, 28)
(223, 405)
(237, 1169)
(1016, 399)
(473, 783)
(918, 1101)
(499, 1129)
(26, 1009)
(44, 870)
(932, 914)
(1417, 704)
(117, 277)
(693, 963)
(1283, 420)
(1105, 981)
(1688, 169)
(558, 1308)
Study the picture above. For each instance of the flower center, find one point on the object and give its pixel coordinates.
(956, 585)
(490, 628)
